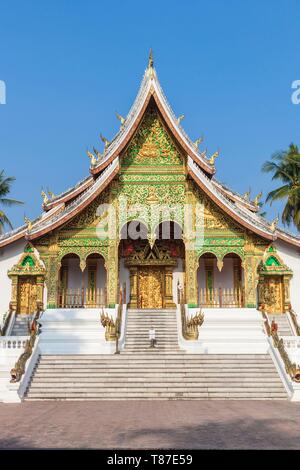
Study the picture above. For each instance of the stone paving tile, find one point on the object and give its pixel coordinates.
(137, 425)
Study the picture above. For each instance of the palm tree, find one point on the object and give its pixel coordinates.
(285, 166)
(5, 184)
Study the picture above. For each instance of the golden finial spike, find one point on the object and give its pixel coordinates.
(45, 197)
(97, 153)
(92, 158)
(150, 60)
(246, 196)
(274, 224)
(257, 199)
(28, 223)
(121, 119)
(105, 141)
(51, 194)
(198, 142)
(180, 118)
(213, 158)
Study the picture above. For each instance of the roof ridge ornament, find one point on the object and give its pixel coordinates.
(274, 224)
(28, 223)
(50, 194)
(180, 118)
(121, 119)
(150, 67)
(45, 197)
(92, 157)
(246, 195)
(198, 142)
(150, 59)
(257, 199)
(213, 158)
(98, 154)
(105, 141)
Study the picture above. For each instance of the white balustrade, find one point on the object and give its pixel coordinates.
(13, 342)
(292, 347)
(291, 342)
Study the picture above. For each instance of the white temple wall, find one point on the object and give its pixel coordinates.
(9, 256)
(291, 257)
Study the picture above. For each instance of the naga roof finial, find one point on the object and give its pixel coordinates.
(45, 197)
(213, 158)
(198, 142)
(28, 223)
(257, 199)
(150, 60)
(273, 225)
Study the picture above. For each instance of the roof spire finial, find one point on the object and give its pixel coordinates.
(150, 60)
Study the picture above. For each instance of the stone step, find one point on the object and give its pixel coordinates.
(156, 368)
(161, 398)
(144, 380)
(144, 395)
(158, 361)
(243, 357)
(254, 374)
(151, 319)
(158, 350)
(146, 343)
(181, 360)
(132, 329)
(152, 389)
(153, 375)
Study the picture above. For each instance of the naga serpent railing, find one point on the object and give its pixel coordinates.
(190, 324)
(18, 370)
(292, 369)
(113, 327)
(7, 320)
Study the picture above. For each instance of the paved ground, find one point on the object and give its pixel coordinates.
(137, 425)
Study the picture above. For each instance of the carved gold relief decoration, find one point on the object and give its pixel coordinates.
(151, 145)
(150, 288)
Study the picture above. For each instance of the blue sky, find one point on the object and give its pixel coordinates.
(69, 65)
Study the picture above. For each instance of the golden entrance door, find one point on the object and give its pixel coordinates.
(150, 288)
(27, 294)
(273, 294)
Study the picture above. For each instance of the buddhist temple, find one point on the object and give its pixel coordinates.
(150, 236)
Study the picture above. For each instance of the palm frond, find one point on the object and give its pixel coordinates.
(10, 202)
(4, 220)
(278, 194)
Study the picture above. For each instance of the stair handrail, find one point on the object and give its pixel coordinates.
(291, 368)
(18, 370)
(293, 317)
(190, 330)
(8, 321)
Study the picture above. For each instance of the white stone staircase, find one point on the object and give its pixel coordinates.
(137, 331)
(283, 322)
(21, 325)
(163, 373)
(151, 377)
